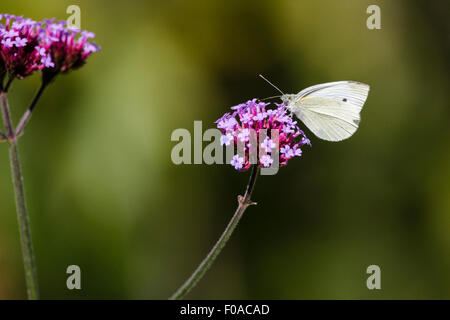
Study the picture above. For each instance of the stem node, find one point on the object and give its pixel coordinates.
(245, 202)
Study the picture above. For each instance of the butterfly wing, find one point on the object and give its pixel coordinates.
(331, 110)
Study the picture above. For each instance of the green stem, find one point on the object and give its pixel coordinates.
(27, 115)
(22, 215)
(244, 202)
(6, 115)
(24, 224)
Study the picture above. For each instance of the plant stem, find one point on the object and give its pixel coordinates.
(244, 202)
(6, 115)
(24, 224)
(22, 215)
(8, 84)
(27, 116)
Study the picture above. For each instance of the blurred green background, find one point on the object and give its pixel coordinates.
(103, 193)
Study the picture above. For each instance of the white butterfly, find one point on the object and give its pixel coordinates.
(330, 110)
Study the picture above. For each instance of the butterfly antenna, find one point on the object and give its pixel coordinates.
(270, 98)
(271, 84)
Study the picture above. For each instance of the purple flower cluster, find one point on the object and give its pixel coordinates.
(21, 53)
(27, 46)
(253, 116)
(68, 47)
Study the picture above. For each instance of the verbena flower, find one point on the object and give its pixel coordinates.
(68, 47)
(27, 46)
(21, 53)
(253, 115)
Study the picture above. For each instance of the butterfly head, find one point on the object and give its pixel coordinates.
(287, 98)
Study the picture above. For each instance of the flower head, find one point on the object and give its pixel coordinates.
(253, 116)
(67, 47)
(20, 49)
(27, 46)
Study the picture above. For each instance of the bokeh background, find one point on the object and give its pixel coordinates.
(103, 193)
